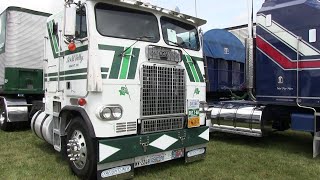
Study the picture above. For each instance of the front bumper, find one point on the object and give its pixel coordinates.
(116, 149)
(124, 151)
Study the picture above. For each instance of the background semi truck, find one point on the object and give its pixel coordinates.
(123, 87)
(22, 34)
(282, 74)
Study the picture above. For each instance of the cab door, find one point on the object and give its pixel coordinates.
(75, 63)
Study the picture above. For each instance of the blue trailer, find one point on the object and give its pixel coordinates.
(225, 56)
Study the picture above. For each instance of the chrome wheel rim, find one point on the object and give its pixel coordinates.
(77, 149)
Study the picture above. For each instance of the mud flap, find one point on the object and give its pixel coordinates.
(316, 144)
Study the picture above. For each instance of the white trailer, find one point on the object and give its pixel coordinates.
(124, 87)
(21, 64)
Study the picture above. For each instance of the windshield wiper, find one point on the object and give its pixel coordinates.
(137, 40)
(180, 46)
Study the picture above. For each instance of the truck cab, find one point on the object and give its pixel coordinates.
(124, 87)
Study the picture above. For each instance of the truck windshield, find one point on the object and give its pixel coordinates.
(179, 33)
(121, 22)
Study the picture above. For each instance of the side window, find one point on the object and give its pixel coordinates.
(81, 27)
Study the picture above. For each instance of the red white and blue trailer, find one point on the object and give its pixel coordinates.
(282, 74)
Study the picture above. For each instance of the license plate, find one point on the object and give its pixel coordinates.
(193, 113)
(193, 122)
(158, 158)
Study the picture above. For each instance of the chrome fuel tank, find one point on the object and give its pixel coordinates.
(237, 118)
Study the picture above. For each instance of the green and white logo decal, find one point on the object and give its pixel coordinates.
(123, 66)
(192, 68)
(196, 91)
(123, 91)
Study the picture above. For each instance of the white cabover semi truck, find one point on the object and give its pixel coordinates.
(124, 87)
(21, 64)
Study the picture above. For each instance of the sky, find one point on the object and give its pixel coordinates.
(218, 13)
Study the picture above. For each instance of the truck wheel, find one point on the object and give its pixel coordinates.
(81, 150)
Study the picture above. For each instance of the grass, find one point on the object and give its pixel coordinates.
(279, 156)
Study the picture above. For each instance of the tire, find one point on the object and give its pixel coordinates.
(82, 160)
(4, 124)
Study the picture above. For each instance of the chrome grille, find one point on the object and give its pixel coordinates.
(163, 90)
(162, 124)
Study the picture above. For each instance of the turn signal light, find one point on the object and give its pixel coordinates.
(82, 102)
(72, 46)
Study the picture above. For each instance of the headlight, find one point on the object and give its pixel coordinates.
(106, 113)
(117, 112)
(204, 107)
(110, 112)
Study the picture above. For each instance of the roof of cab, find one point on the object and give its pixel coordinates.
(140, 4)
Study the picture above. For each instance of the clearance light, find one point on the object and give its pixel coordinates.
(82, 102)
(72, 46)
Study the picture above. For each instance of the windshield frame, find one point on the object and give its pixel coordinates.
(182, 22)
(157, 38)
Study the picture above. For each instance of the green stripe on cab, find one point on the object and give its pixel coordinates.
(186, 64)
(125, 63)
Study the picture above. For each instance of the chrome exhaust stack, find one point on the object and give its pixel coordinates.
(250, 53)
(237, 118)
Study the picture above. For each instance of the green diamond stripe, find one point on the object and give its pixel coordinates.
(125, 63)
(199, 72)
(186, 64)
(133, 63)
(115, 68)
(193, 69)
